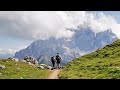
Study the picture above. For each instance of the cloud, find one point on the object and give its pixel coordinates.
(116, 29)
(7, 51)
(31, 25)
(102, 22)
(10, 51)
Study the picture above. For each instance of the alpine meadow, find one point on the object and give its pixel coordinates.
(60, 45)
(104, 63)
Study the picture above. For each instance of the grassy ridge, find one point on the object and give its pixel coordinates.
(101, 64)
(21, 70)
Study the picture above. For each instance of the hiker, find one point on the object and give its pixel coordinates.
(58, 59)
(53, 61)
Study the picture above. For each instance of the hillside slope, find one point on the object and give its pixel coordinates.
(21, 70)
(101, 64)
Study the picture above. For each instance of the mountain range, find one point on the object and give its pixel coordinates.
(83, 41)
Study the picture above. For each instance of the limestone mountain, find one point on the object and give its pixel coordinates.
(82, 42)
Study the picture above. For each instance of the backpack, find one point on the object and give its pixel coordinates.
(58, 58)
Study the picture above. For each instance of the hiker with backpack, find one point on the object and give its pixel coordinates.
(58, 59)
(53, 61)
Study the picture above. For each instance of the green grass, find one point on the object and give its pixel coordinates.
(24, 70)
(101, 64)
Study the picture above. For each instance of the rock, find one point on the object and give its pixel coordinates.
(36, 62)
(30, 59)
(52, 68)
(27, 60)
(24, 61)
(26, 57)
(29, 63)
(49, 67)
(44, 65)
(2, 66)
(15, 59)
(41, 67)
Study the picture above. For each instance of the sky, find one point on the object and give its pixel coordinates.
(18, 29)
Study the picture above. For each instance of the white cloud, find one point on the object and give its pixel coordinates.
(64, 33)
(11, 51)
(43, 24)
(102, 23)
(116, 29)
(31, 25)
(7, 51)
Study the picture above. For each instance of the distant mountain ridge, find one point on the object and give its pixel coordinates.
(82, 42)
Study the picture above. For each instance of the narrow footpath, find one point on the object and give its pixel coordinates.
(54, 74)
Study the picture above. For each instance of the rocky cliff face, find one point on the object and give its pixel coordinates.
(82, 42)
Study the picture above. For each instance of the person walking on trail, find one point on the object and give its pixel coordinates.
(58, 59)
(53, 61)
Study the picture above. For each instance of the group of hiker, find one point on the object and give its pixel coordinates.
(56, 60)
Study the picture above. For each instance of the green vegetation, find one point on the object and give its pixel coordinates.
(101, 64)
(21, 70)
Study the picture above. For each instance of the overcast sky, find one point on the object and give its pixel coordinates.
(20, 28)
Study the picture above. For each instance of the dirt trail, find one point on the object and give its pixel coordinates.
(54, 74)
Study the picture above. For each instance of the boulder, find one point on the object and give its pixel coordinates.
(30, 59)
(29, 63)
(49, 67)
(44, 65)
(2, 66)
(36, 62)
(41, 67)
(23, 61)
(15, 59)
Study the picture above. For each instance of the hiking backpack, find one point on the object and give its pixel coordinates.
(58, 58)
